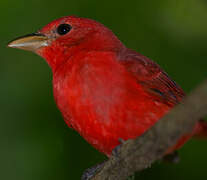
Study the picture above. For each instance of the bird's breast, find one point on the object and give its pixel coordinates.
(104, 103)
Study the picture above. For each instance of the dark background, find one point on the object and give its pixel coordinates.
(35, 143)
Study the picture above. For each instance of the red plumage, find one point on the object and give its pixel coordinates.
(104, 90)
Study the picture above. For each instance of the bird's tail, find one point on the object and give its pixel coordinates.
(200, 130)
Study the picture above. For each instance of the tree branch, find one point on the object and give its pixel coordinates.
(139, 154)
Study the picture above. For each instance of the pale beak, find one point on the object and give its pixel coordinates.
(30, 42)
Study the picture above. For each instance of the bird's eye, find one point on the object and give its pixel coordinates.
(63, 29)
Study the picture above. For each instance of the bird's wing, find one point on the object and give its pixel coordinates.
(152, 78)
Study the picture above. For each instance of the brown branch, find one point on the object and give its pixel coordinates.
(139, 154)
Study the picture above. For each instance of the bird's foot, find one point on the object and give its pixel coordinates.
(116, 150)
(172, 158)
(91, 172)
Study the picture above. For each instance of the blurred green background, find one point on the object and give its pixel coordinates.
(35, 143)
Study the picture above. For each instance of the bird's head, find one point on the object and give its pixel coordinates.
(66, 36)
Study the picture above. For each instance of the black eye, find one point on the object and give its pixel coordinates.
(63, 29)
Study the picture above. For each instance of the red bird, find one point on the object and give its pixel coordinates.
(104, 90)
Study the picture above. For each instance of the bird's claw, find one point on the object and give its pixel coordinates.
(116, 150)
(91, 172)
(172, 158)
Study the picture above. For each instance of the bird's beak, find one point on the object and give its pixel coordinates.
(30, 42)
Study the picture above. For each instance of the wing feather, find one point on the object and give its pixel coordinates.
(152, 78)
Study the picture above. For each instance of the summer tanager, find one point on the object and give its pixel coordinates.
(104, 90)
